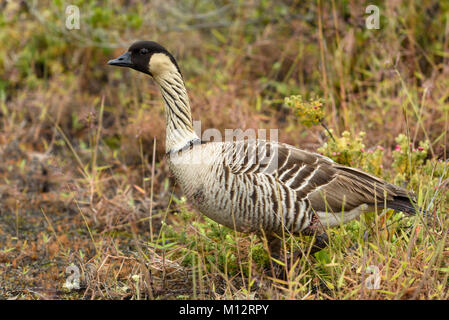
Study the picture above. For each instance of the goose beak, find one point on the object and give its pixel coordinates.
(123, 61)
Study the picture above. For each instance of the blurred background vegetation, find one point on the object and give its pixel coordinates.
(82, 144)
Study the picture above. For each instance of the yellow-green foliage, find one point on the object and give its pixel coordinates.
(217, 244)
(433, 176)
(408, 159)
(436, 168)
(309, 112)
(350, 151)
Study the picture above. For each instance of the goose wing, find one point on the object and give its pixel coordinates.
(328, 186)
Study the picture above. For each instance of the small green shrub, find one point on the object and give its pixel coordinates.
(309, 112)
(407, 159)
(350, 151)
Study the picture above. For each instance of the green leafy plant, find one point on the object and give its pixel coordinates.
(350, 150)
(407, 159)
(309, 112)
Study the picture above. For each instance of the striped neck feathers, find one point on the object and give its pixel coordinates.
(179, 128)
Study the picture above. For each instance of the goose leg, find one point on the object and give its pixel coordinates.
(276, 251)
(316, 230)
(274, 246)
(321, 242)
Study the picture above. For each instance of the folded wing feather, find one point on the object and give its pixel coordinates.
(327, 185)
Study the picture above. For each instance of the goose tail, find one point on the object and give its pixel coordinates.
(406, 205)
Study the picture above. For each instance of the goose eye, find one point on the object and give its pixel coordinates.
(143, 51)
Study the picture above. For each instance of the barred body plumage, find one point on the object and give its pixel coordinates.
(257, 185)
(251, 196)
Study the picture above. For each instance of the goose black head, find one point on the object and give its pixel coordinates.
(148, 57)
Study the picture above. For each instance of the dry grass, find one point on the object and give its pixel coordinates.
(84, 181)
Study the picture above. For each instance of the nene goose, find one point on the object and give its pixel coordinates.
(292, 190)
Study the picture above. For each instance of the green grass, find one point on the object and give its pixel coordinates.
(84, 180)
